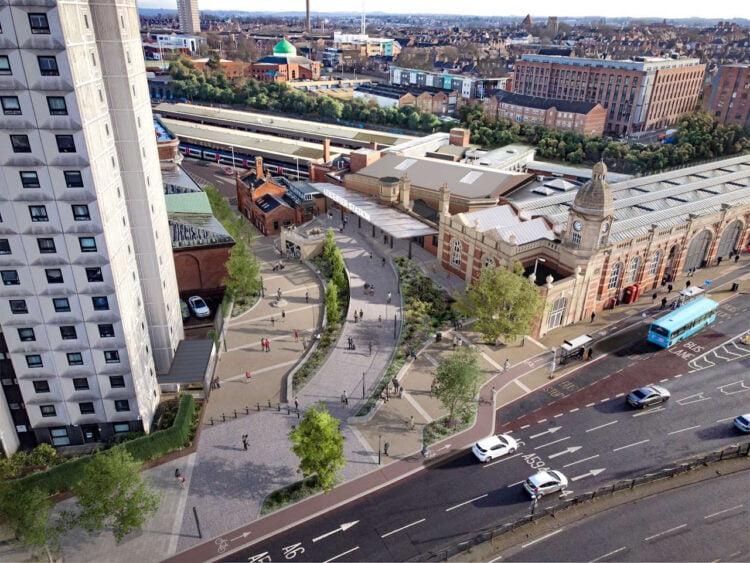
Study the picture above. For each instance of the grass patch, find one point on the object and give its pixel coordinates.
(291, 494)
(427, 308)
(439, 429)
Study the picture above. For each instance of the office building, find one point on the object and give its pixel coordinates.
(187, 14)
(728, 102)
(470, 87)
(89, 305)
(639, 95)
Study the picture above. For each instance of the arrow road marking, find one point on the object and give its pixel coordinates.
(601, 426)
(610, 554)
(566, 451)
(341, 555)
(630, 445)
(505, 459)
(683, 430)
(407, 526)
(581, 461)
(740, 387)
(550, 431)
(592, 473)
(550, 443)
(697, 398)
(343, 528)
(467, 502)
(241, 536)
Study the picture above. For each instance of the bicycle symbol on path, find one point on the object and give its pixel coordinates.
(222, 545)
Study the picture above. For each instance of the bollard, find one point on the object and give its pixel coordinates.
(223, 418)
(258, 405)
(247, 409)
(212, 420)
(278, 407)
(269, 403)
(297, 413)
(235, 413)
(288, 410)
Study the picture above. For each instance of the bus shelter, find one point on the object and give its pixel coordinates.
(575, 348)
(393, 223)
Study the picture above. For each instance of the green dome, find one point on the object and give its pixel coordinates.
(283, 47)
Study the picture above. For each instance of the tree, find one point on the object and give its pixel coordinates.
(243, 273)
(339, 274)
(329, 245)
(504, 302)
(28, 513)
(319, 445)
(333, 314)
(457, 380)
(113, 495)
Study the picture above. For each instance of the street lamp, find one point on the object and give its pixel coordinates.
(394, 326)
(536, 263)
(379, 437)
(363, 385)
(552, 365)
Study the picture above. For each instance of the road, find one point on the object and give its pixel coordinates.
(592, 436)
(213, 174)
(700, 522)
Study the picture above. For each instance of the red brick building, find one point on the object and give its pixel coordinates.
(639, 95)
(587, 118)
(729, 101)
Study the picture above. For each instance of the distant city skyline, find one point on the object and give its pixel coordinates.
(538, 8)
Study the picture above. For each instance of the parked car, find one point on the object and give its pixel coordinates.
(199, 307)
(648, 396)
(545, 482)
(742, 422)
(228, 170)
(491, 447)
(185, 310)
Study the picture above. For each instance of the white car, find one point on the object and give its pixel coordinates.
(545, 482)
(742, 422)
(199, 307)
(489, 448)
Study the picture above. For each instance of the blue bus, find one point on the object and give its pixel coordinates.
(683, 322)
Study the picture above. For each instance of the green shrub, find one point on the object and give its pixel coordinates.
(291, 494)
(61, 477)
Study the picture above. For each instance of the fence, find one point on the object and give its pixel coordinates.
(740, 450)
(257, 407)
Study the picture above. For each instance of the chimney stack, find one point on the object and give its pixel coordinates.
(459, 137)
(326, 150)
(405, 190)
(307, 21)
(259, 167)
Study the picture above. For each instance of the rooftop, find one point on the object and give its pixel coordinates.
(543, 103)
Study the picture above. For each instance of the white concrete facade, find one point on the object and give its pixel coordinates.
(187, 13)
(89, 241)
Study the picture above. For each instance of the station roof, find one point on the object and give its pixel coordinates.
(396, 223)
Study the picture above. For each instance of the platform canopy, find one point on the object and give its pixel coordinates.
(395, 223)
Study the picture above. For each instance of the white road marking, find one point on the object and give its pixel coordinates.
(540, 421)
(550, 443)
(403, 528)
(604, 400)
(558, 415)
(619, 395)
(467, 502)
(525, 426)
(521, 385)
(697, 398)
(592, 473)
(341, 555)
(648, 411)
(663, 380)
(601, 426)
(678, 375)
(524, 546)
(514, 484)
(726, 419)
(581, 461)
(570, 450)
(550, 431)
(665, 532)
(342, 528)
(499, 460)
(723, 511)
(630, 445)
(683, 430)
(741, 387)
(611, 553)
(590, 405)
(573, 410)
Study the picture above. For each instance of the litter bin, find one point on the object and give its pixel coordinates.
(735, 286)
(438, 336)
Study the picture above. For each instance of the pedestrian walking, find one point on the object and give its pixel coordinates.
(248, 375)
(663, 303)
(360, 314)
(370, 255)
(736, 257)
(180, 478)
(380, 320)
(369, 348)
(296, 335)
(718, 260)
(346, 398)
(425, 453)
(506, 365)
(268, 345)
(687, 284)
(593, 316)
(355, 316)
(385, 448)
(244, 441)
(388, 298)
(296, 404)
(401, 392)
(590, 354)
(342, 398)
(283, 313)
(653, 299)
(669, 288)
(307, 297)
(273, 321)
(263, 344)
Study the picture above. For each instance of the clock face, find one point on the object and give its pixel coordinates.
(605, 227)
(577, 225)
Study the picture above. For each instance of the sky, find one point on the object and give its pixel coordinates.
(723, 9)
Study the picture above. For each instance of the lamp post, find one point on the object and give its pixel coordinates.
(394, 326)
(363, 385)
(552, 365)
(379, 437)
(536, 263)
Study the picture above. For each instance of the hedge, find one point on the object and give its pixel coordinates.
(61, 477)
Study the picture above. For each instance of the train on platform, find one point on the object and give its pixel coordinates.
(274, 167)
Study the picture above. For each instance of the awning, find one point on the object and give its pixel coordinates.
(395, 223)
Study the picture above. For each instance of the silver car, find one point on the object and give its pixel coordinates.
(545, 482)
(648, 396)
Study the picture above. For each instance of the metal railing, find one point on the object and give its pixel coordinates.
(734, 451)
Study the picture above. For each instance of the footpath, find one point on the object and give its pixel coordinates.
(530, 363)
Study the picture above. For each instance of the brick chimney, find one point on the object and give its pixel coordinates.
(362, 158)
(459, 137)
(259, 168)
(373, 146)
(405, 189)
(326, 150)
